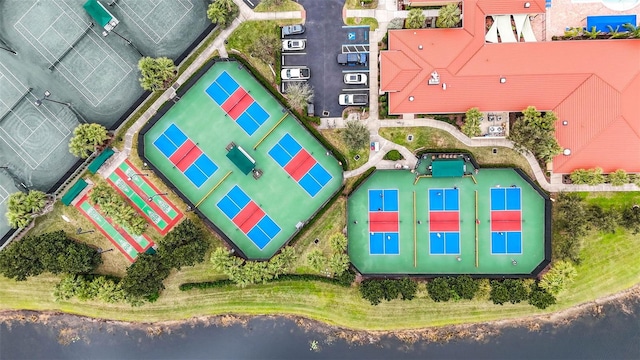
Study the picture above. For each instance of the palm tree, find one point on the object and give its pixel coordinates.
(222, 12)
(593, 33)
(156, 73)
(415, 19)
(86, 139)
(634, 31)
(471, 126)
(448, 16)
(34, 201)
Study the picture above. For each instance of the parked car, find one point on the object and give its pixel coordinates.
(352, 59)
(301, 73)
(311, 109)
(294, 45)
(355, 78)
(292, 29)
(353, 99)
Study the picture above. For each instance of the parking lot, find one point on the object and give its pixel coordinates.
(327, 36)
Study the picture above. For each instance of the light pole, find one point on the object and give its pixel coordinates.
(16, 180)
(150, 198)
(47, 93)
(136, 174)
(128, 43)
(80, 232)
(145, 166)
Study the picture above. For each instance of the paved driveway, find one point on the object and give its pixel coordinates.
(325, 34)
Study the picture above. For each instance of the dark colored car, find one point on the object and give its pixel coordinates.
(352, 59)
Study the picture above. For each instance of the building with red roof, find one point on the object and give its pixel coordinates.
(593, 86)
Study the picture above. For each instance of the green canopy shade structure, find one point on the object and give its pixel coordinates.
(100, 160)
(448, 168)
(101, 15)
(241, 159)
(73, 192)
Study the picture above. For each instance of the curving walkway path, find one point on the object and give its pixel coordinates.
(384, 13)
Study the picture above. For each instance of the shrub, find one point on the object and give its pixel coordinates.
(569, 226)
(499, 293)
(439, 289)
(558, 278)
(464, 286)
(618, 178)
(393, 155)
(587, 176)
(540, 298)
(471, 126)
(415, 19)
(372, 290)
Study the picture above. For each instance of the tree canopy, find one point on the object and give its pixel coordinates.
(185, 245)
(22, 207)
(471, 126)
(144, 278)
(265, 47)
(355, 135)
(536, 132)
(157, 73)
(51, 252)
(86, 139)
(448, 16)
(299, 94)
(222, 12)
(415, 19)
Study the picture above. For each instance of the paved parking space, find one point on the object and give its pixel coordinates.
(326, 34)
(252, 3)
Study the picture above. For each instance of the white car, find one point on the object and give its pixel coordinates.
(301, 73)
(294, 45)
(355, 78)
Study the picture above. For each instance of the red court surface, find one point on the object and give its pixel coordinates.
(233, 100)
(182, 152)
(241, 106)
(506, 220)
(444, 221)
(383, 226)
(300, 165)
(245, 213)
(252, 220)
(189, 158)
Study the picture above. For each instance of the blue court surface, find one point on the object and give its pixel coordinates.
(506, 198)
(444, 243)
(197, 172)
(222, 88)
(316, 177)
(264, 229)
(509, 242)
(383, 200)
(444, 200)
(384, 244)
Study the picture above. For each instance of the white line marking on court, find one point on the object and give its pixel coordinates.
(138, 20)
(4, 194)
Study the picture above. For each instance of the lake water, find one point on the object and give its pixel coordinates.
(614, 335)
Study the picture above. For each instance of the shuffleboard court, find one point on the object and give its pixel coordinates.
(438, 231)
(129, 245)
(273, 213)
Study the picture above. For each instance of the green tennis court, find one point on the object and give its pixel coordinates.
(242, 160)
(495, 225)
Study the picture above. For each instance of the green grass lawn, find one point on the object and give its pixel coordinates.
(372, 22)
(430, 138)
(287, 5)
(334, 136)
(607, 267)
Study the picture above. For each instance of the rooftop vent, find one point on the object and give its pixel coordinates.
(411, 98)
(444, 86)
(434, 79)
(419, 47)
(565, 123)
(527, 5)
(503, 80)
(566, 152)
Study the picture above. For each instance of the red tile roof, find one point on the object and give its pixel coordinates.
(594, 85)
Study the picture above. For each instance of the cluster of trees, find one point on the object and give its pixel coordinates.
(21, 207)
(377, 290)
(536, 132)
(51, 252)
(471, 126)
(595, 176)
(223, 12)
(89, 288)
(114, 206)
(516, 291)
(447, 288)
(86, 139)
(336, 263)
(448, 17)
(244, 272)
(183, 246)
(355, 135)
(156, 73)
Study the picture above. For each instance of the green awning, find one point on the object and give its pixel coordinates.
(99, 160)
(447, 168)
(241, 159)
(73, 192)
(98, 12)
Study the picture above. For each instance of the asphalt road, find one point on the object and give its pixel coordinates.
(325, 33)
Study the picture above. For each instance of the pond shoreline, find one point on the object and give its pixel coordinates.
(70, 327)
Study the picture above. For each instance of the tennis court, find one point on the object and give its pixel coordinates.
(249, 191)
(497, 225)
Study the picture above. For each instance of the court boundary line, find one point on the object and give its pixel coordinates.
(459, 232)
(505, 243)
(3, 198)
(67, 72)
(444, 233)
(128, 10)
(378, 232)
(52, 120)
(505, 209)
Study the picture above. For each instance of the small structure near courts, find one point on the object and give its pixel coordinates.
(447, 217)
(224, 127)
(101, 15)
